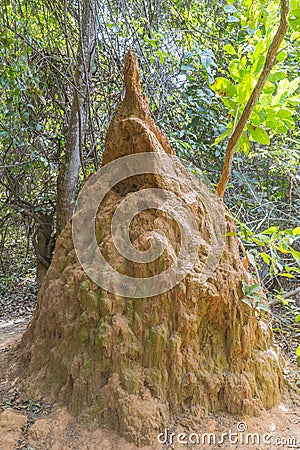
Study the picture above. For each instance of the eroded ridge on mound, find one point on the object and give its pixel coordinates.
(139, 365)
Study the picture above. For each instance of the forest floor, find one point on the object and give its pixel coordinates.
(32, 424)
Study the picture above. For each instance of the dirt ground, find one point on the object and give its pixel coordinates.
(32, 424)
(278, 429)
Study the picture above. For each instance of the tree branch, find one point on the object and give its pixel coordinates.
(271, 60)
(287, 295)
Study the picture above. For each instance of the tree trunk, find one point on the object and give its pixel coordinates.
(139, 362)
(69, 170)
(43, 242)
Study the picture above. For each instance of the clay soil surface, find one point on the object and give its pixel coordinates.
(32, 424)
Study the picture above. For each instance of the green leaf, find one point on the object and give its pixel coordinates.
(271, 230)
(260, 242)
(255, 119)
(256, 297)
(230, 104)
(259, 135)
(275, 125)
(277, 75)
(231, 233)
(296, 231)
(207, 58)
(287, 275)
(265, 100)
(286, 115)
(245, 87)
(235, 70)
(222, 136)
(230, 9)
(295, 10)
(232, 19)
(247, 301)
(244, 144)
(249, 290)
(269, 88)
(266, 257)
(222, 86)
(294, 4)
(258, 65)
(295, 24)
(258, 49)
(229, 49)
(263, 307)
(295, 254)
(285, 89)
(281, 56)
(187, 67)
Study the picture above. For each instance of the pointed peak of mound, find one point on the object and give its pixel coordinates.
(132, 76)
(132, 129)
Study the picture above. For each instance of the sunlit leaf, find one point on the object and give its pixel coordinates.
(259, 135)
(229, 49)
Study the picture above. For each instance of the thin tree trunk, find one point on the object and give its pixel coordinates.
(271, 60)
(69, 170)
(43, 242)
